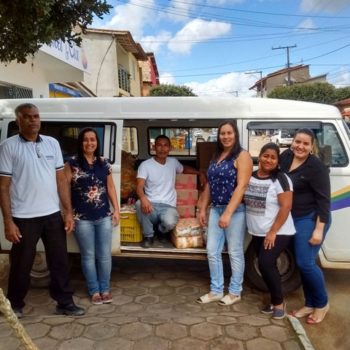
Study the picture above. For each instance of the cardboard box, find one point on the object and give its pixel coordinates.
(186, 181)
(186, 197)
(186, 211)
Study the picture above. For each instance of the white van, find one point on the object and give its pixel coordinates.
(131, 125)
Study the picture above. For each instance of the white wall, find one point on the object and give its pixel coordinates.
(26, 75)
(102, 75)
(38, 72)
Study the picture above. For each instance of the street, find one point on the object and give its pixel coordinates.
(158, 297)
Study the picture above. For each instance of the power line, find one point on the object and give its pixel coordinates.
(261, 12)
(288, 61)
(233, 20)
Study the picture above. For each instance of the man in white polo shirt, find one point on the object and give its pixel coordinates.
(32, 183)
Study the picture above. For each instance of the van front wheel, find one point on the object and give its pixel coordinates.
(40, 275)
(286, 265)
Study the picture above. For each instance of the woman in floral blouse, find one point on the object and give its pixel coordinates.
(92, 188)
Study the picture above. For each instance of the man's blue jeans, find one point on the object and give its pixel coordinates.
(163, 215)
(95, 242)
(234, 235)
(306, 254)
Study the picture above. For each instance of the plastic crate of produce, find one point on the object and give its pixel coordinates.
(130, 229)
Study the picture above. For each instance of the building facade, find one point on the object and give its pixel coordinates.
(284, 77)
(150, 75)
(113, 69)
(58, 62)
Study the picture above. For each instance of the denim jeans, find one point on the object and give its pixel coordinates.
(95, 242)
(163, 215)
(234, 235)
(314, 287)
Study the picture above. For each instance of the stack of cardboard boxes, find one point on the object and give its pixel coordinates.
(187, 233)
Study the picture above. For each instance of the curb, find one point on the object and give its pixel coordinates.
(300, 331)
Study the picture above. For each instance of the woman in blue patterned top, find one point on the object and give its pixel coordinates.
(228, 176)
(92, 188)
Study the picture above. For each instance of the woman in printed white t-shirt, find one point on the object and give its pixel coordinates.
(268, 200)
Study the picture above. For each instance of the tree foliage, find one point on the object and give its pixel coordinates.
(342, 93)
(25, 25)
(171, 90)
(317, 92)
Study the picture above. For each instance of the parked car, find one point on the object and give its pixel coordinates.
(282, 138)
(212, 138)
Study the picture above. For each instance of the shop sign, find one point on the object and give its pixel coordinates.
(71, 54)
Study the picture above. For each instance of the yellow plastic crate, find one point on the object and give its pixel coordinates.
(130, 229)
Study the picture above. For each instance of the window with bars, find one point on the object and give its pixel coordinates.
(123, 79)
(14, 91)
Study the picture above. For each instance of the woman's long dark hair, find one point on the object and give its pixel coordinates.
(236, 149)
(81, 158)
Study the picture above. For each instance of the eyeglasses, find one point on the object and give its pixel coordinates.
(38, 151)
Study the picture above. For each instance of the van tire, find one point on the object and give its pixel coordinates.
(40, 275)
(286, 264)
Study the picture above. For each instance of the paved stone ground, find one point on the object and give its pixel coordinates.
(153, 308)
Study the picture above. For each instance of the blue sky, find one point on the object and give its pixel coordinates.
(210, 45)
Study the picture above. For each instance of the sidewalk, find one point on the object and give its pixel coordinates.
(153, 308)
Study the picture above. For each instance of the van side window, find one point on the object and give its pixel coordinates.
(130, 138)
(183, 140)
(328, 145)
(67, 135)
(281, 135)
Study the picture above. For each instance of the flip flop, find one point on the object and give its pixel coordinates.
(322, 311)
(229, 299)
(208, 298)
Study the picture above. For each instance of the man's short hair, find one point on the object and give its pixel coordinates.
(22, 106)
(162, 137)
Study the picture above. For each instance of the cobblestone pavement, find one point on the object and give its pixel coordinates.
(153, 308)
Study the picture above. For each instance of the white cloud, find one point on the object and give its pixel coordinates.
(323, 5)
(153, 43)
(132, 17)
(306, 25)
(197, 30)
(231, 84)
(166, 78)
(340, 78)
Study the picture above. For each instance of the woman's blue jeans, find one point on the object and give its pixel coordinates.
(234, 236)
(95, 242)
(314, 287)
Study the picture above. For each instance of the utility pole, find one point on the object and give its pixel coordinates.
(261, 81)
(288, 62)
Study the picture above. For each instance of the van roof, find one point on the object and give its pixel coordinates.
(174, 108)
